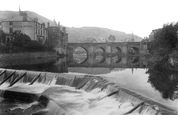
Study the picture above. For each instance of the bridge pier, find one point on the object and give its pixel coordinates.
(91, 50)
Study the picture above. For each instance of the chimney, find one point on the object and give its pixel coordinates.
(48, 24)
(59, 24)
(64, 29)
(43, 24)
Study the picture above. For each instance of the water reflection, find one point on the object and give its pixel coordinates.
(117, 59)
(52, 65)
(80, 55)
(96, 64)
(164, 80)
(134, 72)
(133, 59)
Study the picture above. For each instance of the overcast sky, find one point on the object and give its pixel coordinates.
(137, 16)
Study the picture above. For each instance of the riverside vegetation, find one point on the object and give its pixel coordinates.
(164, 46)
(162, 71)
(22, 43)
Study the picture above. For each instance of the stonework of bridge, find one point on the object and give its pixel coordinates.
(110, 48)
(117, 54)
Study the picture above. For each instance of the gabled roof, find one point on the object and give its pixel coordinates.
(18, 18)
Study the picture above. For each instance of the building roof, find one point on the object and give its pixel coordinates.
(18, 18)
(54, 23)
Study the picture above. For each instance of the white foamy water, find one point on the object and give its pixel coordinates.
(21, 87)
(79, 102)
(67, 100)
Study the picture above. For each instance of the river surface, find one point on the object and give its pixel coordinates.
(157, 84)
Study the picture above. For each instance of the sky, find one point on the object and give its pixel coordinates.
(139, 17)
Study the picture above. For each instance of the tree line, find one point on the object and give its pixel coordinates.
(165, 40)
(21, 43)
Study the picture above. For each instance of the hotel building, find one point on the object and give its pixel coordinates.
(52, 34)
(31, 27)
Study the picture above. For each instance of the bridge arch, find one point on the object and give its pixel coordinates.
(134, 48)
(117, 50)
(109, 49)
(133, 51)
(98, 49)
(80, 54)
(116, 59)
(100, 52)
(134, 60)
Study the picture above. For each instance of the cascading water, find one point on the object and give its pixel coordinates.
(66, 94)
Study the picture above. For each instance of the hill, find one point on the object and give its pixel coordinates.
(83, 34)
(10, 14)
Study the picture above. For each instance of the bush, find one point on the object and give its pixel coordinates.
(5, 49)
(23, 43)
(21, 40)
(2, 36)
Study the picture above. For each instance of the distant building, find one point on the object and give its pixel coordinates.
(51, 34)
(31, 27)
(57, 37)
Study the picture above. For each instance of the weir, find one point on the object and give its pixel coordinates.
(22, 92)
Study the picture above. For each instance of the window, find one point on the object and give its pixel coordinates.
(11, 30)
(36, 27)
(54, 30)
(41, 30)
(10, 23)
(53, 35)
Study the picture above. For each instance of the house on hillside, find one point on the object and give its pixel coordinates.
(51, 34)
(31, 27)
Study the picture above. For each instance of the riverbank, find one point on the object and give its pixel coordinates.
(7, 59)
(26, 55)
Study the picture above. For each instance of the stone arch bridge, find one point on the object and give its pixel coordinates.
(108, 49)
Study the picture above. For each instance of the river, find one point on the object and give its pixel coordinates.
(157, 84)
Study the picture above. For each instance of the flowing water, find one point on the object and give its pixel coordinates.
(66, 100)
(71, 101)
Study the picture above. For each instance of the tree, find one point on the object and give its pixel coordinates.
(89, 40)
(111, 38)
(165, 39)
(21, 39)
(2, 36)
(163, 80)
